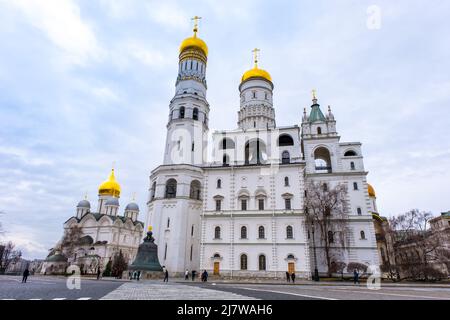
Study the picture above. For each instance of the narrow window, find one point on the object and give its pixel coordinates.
(352, 165)
(330, 237)
(254, 94)
(262, 262)
(325, 187)
(244, 205)
(286, 181)
(192, 231)
(359, 211)
(261, 204)
(192, 64)
(244, 262)
(219, 184)
(287, 204)
(289, 232)
(363, 235)
(244, 232)
(182, 111)
(218, 205)
(285, 157)
(165, 252)
(168, 222)
(261, 232)
(192, 247)
(217, 233)
(319, 130)
(195, 114)
(193, 146)
(355, 186)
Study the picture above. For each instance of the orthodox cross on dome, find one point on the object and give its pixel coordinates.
(134, 196)
(314, 94)
(256, 51)
(196, 19)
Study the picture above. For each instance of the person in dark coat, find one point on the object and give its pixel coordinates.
(166, 276)
(26, 273)
(288, 277)
(355, 277)
(205, 276)
(138, 275)
(293, 277)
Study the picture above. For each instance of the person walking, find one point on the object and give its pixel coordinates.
(205, 276)
(355, 277)
(138, 275)
(288, 277)
(130, 275)
(98, 273)
(166, 276)
(193, 274)
(186, 275)
(26, 273)
(293, 277)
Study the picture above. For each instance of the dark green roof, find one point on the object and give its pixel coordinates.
(316, 114)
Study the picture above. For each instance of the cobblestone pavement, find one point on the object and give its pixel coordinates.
(152, 290)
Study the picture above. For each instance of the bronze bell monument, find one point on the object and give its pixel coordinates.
(147, 261)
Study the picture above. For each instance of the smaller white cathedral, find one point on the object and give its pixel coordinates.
(101, 234)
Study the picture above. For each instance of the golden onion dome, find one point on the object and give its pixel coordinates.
(256, 73)
(194, 42)
(110, 187)
(371, 191)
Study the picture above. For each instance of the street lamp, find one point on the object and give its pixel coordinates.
(316, 271)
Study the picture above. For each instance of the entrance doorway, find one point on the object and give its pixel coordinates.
(216, 268)
(291, 267)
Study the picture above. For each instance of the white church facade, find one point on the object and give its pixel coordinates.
(234, 204)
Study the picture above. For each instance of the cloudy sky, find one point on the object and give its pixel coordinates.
(87, 83)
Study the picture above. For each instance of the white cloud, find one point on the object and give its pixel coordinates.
(168, 14)
(61, 21)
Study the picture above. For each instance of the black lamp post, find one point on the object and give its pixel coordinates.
(316, 271)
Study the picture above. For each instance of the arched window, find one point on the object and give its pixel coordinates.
(289, 232)
(225, 160)
(322, 160)
(244, 232)
(285, 140)
(261, 232)
(286, 181)
(355, 186)
(363, 235)
(350, 153)
(195, 190)
(219, 184)
(243, 262)
(227, 143)
(255, 152)
(195, 114)
(182, 112)
(330, 237)
(319, 130)
(285, 157)
(291, 257)
(262, 262)
(171, 189)
(352, 165)
(153, 191)
(217, 233)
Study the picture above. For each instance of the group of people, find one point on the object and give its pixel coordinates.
(136, 275)
(193, 273)
(290, 276)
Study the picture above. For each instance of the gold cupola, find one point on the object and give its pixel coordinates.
(194, 42)
(256, 72)
(110, 187)
(371, 191)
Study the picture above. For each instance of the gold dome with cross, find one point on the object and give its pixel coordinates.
(256, 72)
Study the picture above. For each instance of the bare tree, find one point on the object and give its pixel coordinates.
(419, 250)
(326, 209)
(8, 255)
(71, 240)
